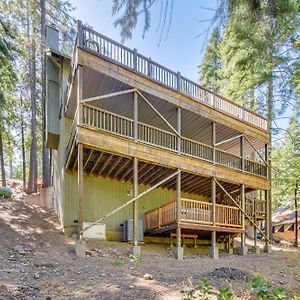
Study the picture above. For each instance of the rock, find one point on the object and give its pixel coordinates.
(5, 192)
(148, 276)
(131, 287)
(36, 275)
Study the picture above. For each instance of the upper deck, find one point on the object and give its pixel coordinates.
(129, 59)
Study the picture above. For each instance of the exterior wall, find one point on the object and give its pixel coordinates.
(58, 156)
(288, 236)
(103, 195)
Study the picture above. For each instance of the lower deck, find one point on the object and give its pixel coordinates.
(195, 216)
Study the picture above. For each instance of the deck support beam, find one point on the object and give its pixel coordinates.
(135, 116)
(179, 130)
(179, 248)
(213, 141)
(80, 244)
(242, 153)
(243, 249)
(267, 247)
(214, 251)
(136, 250)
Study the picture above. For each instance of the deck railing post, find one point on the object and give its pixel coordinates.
(159, 217)
(149, 67)
(178, 81)
(135, 59)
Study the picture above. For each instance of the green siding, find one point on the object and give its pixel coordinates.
(103, 195)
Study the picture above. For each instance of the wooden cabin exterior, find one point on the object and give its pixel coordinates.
(125, 129)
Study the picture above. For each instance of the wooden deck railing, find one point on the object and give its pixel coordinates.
(131, 59)
(257, 207)
(193, 211)
(123, 126)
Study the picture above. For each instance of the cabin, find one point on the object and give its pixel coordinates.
(141, 151)
(285, 226)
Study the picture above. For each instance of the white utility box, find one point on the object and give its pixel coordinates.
(97, 231)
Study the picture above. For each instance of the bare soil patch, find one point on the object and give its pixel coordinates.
(38, 262)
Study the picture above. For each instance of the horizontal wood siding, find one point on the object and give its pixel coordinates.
(103, 195)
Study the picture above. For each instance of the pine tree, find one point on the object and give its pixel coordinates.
(211, 65)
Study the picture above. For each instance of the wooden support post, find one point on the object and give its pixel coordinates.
(179, 130)
(266, 159)
(267, 222)
(135, 117)
(136, 249)
(80, 190)
(135, 203)
(213, 248)
(79, 94)
(243, 249)
(255, 221)
(179, 249)
(80, 244)
(213, 142)
(242, 153)
(268, 197)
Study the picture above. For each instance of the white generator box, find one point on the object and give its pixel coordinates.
(97, 231)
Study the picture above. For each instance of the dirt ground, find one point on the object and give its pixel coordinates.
(38, 262)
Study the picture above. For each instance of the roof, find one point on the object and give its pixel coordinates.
(285, 217)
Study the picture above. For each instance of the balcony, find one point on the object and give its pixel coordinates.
(194, 212)
(103, 120)
(129, 59)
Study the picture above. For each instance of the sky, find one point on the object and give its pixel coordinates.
(179, 49)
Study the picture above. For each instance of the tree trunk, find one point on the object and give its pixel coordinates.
(32, 181)
(11, 175)
(2, 161)
(23, 145)
(46, 159)
(269, 120)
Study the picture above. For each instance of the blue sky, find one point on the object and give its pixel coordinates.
(179, 51)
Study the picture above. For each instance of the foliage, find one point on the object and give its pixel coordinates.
(225, 294)
(21, 73)
(261, 290)
(211, 65)
(117, 262)
(129, 19)
(265, 291)
(205, 288)
(286, 163)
